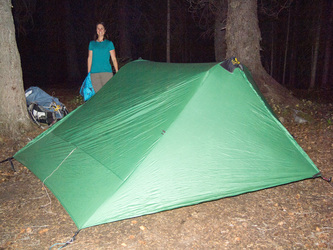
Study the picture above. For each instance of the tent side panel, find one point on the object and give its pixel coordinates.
(224, 143)
(78, 181)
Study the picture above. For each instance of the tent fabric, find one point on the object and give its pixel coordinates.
(159, 136)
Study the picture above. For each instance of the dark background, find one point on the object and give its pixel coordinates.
(53, 37)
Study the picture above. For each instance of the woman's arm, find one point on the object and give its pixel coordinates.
(114, 59)
(89, 61)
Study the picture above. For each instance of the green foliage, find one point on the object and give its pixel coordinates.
(76, 101)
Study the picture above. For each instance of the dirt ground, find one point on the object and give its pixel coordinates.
(293, 216)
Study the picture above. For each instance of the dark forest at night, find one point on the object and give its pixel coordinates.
(53, 37)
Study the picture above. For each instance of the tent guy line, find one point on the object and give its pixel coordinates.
(59, 165)
(47, 193)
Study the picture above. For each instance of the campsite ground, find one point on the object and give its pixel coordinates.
(293, 216)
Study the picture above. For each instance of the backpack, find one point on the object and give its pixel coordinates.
(44, 108)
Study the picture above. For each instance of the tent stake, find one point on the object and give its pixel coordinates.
(71, 240)
(329, 180)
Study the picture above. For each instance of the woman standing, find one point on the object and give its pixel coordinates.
(99, 65)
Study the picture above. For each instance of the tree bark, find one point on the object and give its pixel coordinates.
(271, 70)
(285, 58)
(243, 41)
(168, 33)
(294, 44)
(14, 118)
(328, 44)
(315, 51)
(219, 31)
(73, 72)
(125, 48)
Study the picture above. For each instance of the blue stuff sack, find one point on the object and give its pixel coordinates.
(87, 90)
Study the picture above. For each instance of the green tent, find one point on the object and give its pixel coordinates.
(159, 136)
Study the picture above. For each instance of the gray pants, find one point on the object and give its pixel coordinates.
(99, 79)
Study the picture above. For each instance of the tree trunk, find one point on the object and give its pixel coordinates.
(14, 118)
(285, 58)
(180, 32)
(168, 33)
(294, 45)
(125, 48)
(219, 32)
(328, 44)
(271, 70)
(315, 51)
(73, 72)
(243, 41)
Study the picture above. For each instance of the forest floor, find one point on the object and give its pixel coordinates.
(293, 216)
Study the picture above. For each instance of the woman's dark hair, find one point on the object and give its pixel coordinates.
(106, 36)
